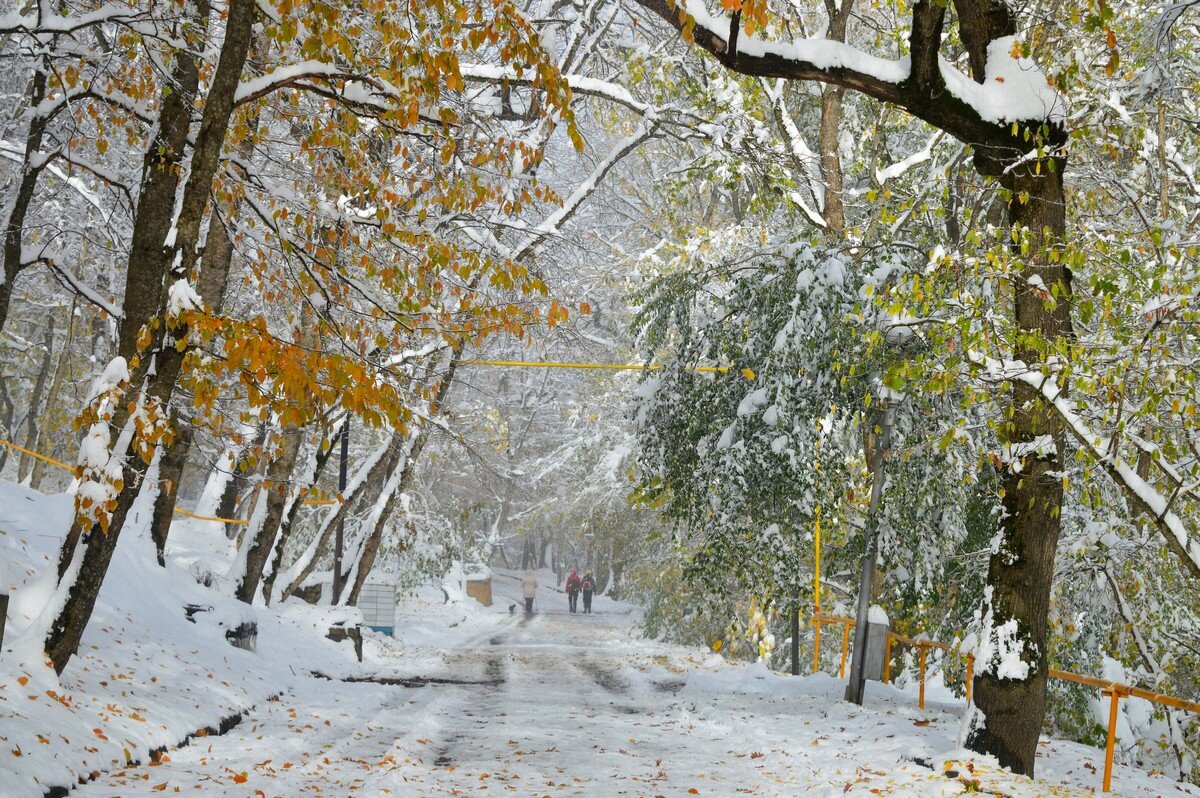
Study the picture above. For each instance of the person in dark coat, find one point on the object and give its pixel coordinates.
(588, 586)
(573, 585)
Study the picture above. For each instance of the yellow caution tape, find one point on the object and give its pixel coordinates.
(541, 364)
(238, 521)
(179, 510)
(41, 457)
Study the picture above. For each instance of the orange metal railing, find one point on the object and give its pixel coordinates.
(1115, 690)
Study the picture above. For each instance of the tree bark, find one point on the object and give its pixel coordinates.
(834, 212)
(1021, 570)
(170, 473)
(211, 286)
(46, 424)
(371, 544)
(6, 418)
(25, 467)
(372, 485)
(829, 132)
(288, 523)
(278, 492)
(14, 225)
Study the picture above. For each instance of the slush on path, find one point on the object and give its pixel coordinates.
(493, 702)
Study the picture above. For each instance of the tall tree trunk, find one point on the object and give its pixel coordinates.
(47, 422)
(1021, 571)
(288, 523)
(831, 162)
(370, 485)
(829, 132)
(170, 473)
(35, 403)
(88, 547)
(6, 418)
(211, 286)
(371, 545)
(238, 482)
(279, 493)
(14, 225)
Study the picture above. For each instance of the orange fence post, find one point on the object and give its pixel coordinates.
(845, 650)
(1112, 737)
(817, 645)
(924, 649)
(887, 660)
(970, 675)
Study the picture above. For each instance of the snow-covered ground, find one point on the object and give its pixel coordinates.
(481, 702)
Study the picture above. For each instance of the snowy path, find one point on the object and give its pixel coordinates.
(571, 705)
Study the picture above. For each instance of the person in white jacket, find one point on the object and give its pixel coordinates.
(528, 590)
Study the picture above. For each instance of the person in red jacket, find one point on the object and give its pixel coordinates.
(573, 585)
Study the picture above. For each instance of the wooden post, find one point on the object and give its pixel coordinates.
(887, 659)
(3, 615)
(845, 650)
(1112, 737)
(816, 644)
(924, 649)
(970, 674)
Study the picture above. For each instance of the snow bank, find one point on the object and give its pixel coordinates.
(145, 677)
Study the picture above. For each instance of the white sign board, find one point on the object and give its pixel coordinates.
(378, 605)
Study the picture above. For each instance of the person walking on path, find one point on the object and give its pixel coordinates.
(588, 585)
(528, 590)
(573, 584)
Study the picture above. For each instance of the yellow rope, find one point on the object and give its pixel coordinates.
(238, 521)
(540, 364)
(41, 457)
(179, 510)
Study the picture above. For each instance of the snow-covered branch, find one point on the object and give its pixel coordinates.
(1140, 492)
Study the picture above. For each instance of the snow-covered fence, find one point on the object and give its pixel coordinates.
(1114, 690)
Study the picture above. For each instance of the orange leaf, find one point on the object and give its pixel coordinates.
(240, 778)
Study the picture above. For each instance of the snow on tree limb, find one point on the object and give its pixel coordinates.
(1143, 495)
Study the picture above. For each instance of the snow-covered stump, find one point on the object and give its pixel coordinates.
(238, 622)
(343, 630)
